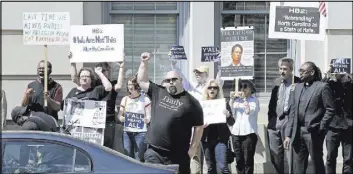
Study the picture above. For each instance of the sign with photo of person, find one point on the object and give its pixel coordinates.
(296, 20)
(237, 53)
(46, 28)
(97, 43)
(341, 66)
(210, 54)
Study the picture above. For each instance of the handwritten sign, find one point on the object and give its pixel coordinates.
(97, 43)
(46, 28)
(134, 120)
(213, 111)
(177, 53)
(85, 113)
(210, 54)
(341, 66)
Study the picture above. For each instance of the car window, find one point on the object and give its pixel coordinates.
(43, 157)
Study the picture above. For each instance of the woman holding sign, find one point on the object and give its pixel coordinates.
(135, 113)
(244, 132)
(216, 136)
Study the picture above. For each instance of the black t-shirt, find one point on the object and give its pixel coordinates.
(172, 119)
(96, 94)
(110, 97)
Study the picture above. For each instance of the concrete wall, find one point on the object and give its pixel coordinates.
(19, 61)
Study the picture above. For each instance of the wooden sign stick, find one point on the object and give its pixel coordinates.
(45, 72)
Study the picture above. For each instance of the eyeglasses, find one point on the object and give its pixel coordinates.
(85, 77)
(213, 87)
(170, 80)
(244, 86)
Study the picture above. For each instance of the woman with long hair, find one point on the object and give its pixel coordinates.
(135, 113)
(245, 107)
(216, 136)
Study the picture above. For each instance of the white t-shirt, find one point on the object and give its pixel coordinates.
(135, 112)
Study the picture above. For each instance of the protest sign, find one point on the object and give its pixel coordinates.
(177, 53)
(213, 111)
(97, 43)
(237, 53)
(86, 113)
(210, 54)
(93, 135)
(134, 121)
(341, 66)
(296, 20)
(46, 28)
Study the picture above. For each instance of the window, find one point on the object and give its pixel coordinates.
(267, 51)
(149, 27)
(43, 157)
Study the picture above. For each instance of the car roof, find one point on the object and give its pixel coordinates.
(85, 145)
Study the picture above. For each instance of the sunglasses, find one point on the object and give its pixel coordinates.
(170, 80)
(244, 86)
(213, 87)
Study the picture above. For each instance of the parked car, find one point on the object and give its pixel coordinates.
(50, 152)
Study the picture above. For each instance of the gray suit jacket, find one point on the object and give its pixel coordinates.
(319, 111)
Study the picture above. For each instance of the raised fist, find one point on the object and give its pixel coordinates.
(145, 56)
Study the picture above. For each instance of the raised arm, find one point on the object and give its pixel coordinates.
(106, 83)
(120, 82)
(73, 71)
(142, 73)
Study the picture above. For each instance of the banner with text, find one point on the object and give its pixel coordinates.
(213, 111)
(177, 53)
(97, 43)
(210, 54)
(237, 53)
(296, 20)
(341, 66)
(46, 28)
(93, 135)
(86, 113)
(134, 122)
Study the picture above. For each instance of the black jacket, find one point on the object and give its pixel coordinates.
(319, 111)
(272, 115)
(218, 132)
(342, 94)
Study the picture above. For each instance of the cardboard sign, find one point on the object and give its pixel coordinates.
(341, 66)
(85, 113)
(134, 120)
(296, 20)
(177, 53)
(46, 28)
(210, 54)
(213, 111)
(97, 43)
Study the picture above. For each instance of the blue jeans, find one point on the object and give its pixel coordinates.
(133, 143)
(216, 157)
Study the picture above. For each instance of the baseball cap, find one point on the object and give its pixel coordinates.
(203, 69)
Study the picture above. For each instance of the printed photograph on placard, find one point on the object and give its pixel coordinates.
(237, 53)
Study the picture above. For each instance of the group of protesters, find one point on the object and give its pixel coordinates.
(302, 112)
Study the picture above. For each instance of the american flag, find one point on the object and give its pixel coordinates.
(322, 8)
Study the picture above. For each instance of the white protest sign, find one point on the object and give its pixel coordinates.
(46, 28)
(85, 113)
(93, 135)
(213, 111)
(97, 43)
(296, 20)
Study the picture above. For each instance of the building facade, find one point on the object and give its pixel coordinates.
(156, 26)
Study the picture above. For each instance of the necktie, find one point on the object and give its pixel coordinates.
(280, 100)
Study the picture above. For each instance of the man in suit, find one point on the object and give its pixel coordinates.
(340, 130)
(311, 111)
(278, 110)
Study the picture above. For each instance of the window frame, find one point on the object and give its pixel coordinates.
(218, 25)
(107, 19)
(75, 149)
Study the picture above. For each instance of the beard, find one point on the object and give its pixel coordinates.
(172, 90)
